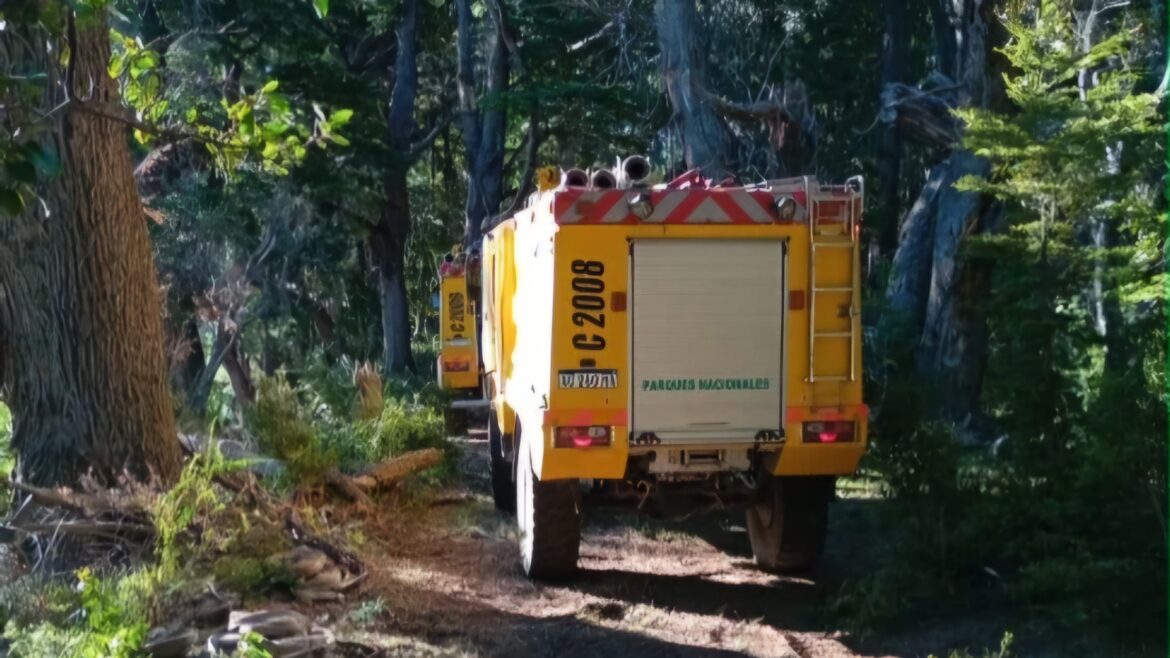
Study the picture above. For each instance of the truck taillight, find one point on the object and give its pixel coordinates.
(583, 437)
(828, 431)
(456, 366)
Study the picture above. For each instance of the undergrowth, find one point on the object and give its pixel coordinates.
(107, 612)
(321, 424)
(7, 460)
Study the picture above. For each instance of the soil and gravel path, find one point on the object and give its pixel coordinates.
(447, 574)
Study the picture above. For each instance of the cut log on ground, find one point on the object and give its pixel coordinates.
(390, 473)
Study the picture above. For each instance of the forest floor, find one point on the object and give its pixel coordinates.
(445, 580)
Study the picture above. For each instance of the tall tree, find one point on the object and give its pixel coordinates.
(681, 37)
(893, 71)
(484, 124)
(80, 313)
(929, 282)
(387, 241)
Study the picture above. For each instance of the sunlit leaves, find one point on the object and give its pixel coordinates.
(261, 125)
(321, 7)
(136, 67)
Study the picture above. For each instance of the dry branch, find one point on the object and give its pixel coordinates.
(924, 116)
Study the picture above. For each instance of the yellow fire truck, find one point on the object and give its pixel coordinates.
(669, 347)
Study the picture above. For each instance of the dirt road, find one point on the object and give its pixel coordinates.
(446, 572)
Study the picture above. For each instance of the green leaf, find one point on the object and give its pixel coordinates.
(321, 7)
(147, 61)
(279, 105)
(339, 140)
(269, 87)
(118, 65)
(21, 171)
(10, 201)
(340, 118)
(273, 129)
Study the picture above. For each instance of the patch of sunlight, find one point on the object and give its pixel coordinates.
(7, 461)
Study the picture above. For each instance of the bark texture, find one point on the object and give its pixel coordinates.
(931, 287)
(387, 240)
(705, 137)
(893, 70)
(80, 309)
(483, 127)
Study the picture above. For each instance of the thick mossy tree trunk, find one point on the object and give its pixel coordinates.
(387, 240)
(705, 137)
(80, 309)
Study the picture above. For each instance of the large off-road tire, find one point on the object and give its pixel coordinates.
(549, 516)
(788, 521)
(503, 487)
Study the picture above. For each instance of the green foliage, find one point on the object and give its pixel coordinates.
(7, 460)
(108, 615)
(283, 430)
(1004, 650)
(110, 619)
(35, 598)
(1066, 516)
(253, 576)
(252, 646)
(367, 612)
(404, 425)
(191, 502)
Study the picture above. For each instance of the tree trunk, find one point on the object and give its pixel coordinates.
(893, 70)
(225, 339)
(235, 362)
(483, 128)
(189, 347)
(931, 287)
(387, 240)
(80, 309)
(705, 138)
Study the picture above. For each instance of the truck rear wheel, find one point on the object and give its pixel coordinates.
(550, 521)
(503, 487)
(787, 524)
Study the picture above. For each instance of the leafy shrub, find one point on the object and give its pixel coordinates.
(7, 459)
(283, 430)
(108, 615)
(111, 624)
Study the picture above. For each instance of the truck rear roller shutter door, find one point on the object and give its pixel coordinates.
(708, 330)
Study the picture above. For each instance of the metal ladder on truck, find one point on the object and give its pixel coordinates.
(833, 223)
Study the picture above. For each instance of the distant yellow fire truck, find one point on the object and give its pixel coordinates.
(668, 347)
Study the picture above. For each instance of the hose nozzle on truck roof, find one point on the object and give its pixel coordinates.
(603, 179)
(634, 170)
(576, 178)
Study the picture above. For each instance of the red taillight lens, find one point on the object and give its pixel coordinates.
(583, 437)
(828, 431)
(456, 366)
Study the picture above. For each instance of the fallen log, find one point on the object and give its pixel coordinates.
(347, 486)
(390, 473)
